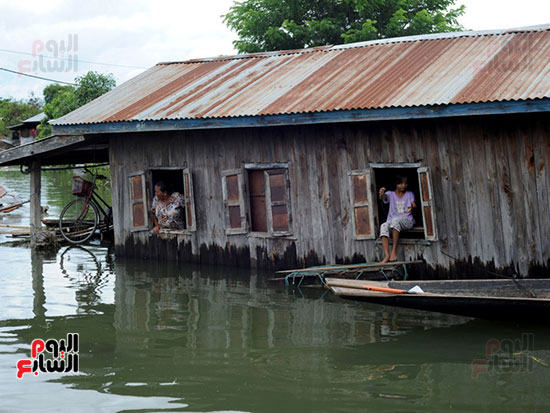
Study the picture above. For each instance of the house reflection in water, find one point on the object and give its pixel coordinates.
(226, 341)
(219, 310)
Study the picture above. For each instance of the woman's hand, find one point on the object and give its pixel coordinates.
(409, 210)
(156, 229)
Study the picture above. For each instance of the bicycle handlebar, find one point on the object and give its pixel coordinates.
(100, 177)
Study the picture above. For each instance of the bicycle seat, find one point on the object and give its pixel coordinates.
(100, 177)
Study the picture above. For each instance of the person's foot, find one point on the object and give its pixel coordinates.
(393, 258)
(385, 260)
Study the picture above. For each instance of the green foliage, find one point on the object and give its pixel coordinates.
(62, 103)
(14, 111)
(267, 25)
(61, 100)
(91, 86)
(52, 90)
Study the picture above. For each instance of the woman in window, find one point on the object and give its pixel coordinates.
(167, 209)
(400, 217)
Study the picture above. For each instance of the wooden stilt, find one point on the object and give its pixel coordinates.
(35, 217)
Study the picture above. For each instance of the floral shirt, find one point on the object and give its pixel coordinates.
(170, 213)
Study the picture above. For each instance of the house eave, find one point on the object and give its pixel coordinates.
(357, 115)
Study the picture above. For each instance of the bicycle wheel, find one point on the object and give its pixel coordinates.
(78, 220)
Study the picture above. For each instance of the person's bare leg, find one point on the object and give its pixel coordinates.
(393, 256)
(386, 247)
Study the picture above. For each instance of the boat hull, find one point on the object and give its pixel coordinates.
(525, 300)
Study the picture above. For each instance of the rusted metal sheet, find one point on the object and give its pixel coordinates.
(427, 70)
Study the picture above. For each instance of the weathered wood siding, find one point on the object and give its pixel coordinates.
(490, 181)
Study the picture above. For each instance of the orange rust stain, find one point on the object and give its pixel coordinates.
(505, 71)
(159, 94)
(215, 83)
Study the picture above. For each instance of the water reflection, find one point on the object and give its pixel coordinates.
(183, 337)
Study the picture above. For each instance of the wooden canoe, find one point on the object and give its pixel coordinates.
(526, 299)
(12, 207)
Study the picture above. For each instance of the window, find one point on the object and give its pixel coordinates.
(176, 180)
(365, 185)
(363, 217)
(258, 211)
(233, 196)
(267, 200)
(138, 202)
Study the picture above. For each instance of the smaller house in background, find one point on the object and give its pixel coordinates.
(26, 131)
(5, 143)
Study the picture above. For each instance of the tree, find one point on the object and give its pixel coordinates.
(14, 111)
(61, 100)
(91, 86)
(52, 90)
(267, 25)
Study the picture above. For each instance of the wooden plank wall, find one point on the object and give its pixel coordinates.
(490, 177)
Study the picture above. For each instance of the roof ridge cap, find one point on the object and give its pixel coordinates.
(401, 39)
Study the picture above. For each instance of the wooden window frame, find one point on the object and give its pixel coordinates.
(369, 203)
(144, 200)
(420, 168)
(270, 168)
(189, 199)
(232, 203)
(270, 204)
(426, 203)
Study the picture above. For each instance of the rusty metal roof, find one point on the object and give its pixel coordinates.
(443, 69)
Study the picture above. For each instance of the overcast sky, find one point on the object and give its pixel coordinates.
(140, 33)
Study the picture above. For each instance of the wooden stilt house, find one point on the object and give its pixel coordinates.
(280, 155)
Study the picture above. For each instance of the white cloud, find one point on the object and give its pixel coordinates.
(134, 33)
(504, 14)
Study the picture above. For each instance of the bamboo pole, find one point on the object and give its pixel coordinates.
(351, 266)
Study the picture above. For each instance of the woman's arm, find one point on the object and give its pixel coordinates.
(156, 226)
(413, 205)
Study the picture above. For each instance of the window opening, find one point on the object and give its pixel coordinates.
(385, 177)
(180, 213)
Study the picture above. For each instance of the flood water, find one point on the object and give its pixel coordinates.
(168, 337)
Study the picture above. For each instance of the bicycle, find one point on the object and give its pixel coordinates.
(81, 217)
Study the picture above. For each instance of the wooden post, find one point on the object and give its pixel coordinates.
(37, 271)
(35, 217)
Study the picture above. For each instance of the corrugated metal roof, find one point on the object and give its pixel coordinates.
(451, 68)
(35, 118)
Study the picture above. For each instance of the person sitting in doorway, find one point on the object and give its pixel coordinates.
(400, 217)
(167, 209)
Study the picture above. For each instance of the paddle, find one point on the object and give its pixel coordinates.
(415, 290)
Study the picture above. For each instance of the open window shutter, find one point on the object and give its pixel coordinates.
(138, 202)
(278, 205)
(426, 202)
(189, 199)
(363, 218)
(233, 197)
